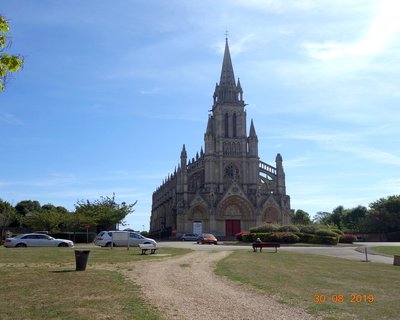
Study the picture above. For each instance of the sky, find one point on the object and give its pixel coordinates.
(111, 90)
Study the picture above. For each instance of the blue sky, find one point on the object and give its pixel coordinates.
(111, 90)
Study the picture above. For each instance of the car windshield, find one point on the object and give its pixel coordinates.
(208, 235)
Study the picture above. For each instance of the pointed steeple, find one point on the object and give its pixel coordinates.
(226, 90)
(227, 79)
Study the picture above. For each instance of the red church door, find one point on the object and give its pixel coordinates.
(232, 227)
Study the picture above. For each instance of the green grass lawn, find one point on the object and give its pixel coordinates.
(41, 283)
(302, 280)
(387, 250)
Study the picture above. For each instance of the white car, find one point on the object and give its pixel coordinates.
(36, 240)
(121, 239)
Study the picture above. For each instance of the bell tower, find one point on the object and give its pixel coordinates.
(230, 155)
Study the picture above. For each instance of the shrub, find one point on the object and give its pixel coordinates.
(308, 229)
(347, 238)
(305, 237)
(325, 233)
(240, 234)
(281, 237)
(289, 228)
(337, 231)
(251, 237)
(325, 240)
(285, 237)
(265, 228)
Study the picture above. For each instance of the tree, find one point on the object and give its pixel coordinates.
(337, 216)
(322, 217)
(384, 215)
(301, 217)
(105, 213)
(48, 220)
(27, 207)
(7, 214)
(353, 219)
(8, 63)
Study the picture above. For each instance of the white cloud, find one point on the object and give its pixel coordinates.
(379, 35)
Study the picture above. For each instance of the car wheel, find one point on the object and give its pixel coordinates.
(63, 244)
(20, 245)
(183, 239)
(108, 244)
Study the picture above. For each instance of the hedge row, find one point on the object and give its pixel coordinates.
(281, 237)
(290, 237)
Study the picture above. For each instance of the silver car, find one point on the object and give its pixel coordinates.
(121, 239)
(190, 237)
(36, 240)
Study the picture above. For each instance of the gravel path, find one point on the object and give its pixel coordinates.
(187, 288)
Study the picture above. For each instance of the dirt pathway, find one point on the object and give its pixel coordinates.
(187, 288)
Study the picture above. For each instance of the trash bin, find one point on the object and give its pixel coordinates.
(81, 257)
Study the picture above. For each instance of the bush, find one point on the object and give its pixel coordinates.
(337, 231)
(347, 238)
(240, 234)
(251, 237)
(289, 228)
(285, 237)
(325, 240)
(305, 237)
(326, 233)
(308, 229)
(281, 237)
(264, 228)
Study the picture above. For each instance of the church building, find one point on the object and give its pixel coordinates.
(225, 188)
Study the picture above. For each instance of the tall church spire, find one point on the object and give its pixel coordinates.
(227, 90)
(227, 80)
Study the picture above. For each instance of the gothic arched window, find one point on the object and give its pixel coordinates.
(234, 125)
(226, 125)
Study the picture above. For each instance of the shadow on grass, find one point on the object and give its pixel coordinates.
(62, 271)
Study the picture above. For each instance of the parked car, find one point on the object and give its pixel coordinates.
(121, 239)
(36, 240)
(207, 238)
(189, 237)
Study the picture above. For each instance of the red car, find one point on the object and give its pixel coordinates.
(207, 238)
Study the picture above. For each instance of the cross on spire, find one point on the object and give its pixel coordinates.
(226, 34)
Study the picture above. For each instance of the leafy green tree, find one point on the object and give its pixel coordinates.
(27, 207)
(384, 215)
(301, 217)
(7, 214)
(105, 213)
(337, 216)
(47, 220)
(353, 219)
(8, 63)
(323, 217)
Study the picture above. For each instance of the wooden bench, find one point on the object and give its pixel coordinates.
(266, 245)
(145, 247)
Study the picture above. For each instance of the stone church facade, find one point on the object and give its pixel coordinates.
(225, 188)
